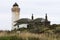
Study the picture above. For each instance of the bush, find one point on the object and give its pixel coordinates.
(17, 38)
(10, 38)
(33, 38)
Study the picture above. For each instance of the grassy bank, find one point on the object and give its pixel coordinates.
(28, 36)
(17, 38)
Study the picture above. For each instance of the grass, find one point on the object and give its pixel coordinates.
(28, 36)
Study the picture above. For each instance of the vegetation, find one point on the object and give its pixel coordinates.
(28, 36)
(40, 33)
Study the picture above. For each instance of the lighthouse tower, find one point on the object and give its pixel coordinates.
(15, 14)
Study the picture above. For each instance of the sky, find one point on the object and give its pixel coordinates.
(38, 7)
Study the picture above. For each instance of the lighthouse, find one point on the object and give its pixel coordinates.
(15, 14)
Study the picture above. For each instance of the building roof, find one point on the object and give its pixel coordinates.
(39, 20)
(27, 20)
(15, 4)
(24, 20)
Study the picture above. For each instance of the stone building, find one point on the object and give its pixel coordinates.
(33, 22)
(15, 14)
(26, 22)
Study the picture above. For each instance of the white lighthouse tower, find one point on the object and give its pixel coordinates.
(15, 14)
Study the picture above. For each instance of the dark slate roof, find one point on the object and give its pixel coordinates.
(24, 20)
(15, 4)
(39, 20)
(27, 20)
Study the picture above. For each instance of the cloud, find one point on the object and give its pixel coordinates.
(37, 7)
(5, 22)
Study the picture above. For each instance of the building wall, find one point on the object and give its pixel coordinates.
(15, 15)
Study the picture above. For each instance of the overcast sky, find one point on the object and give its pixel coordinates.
(38, 7)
